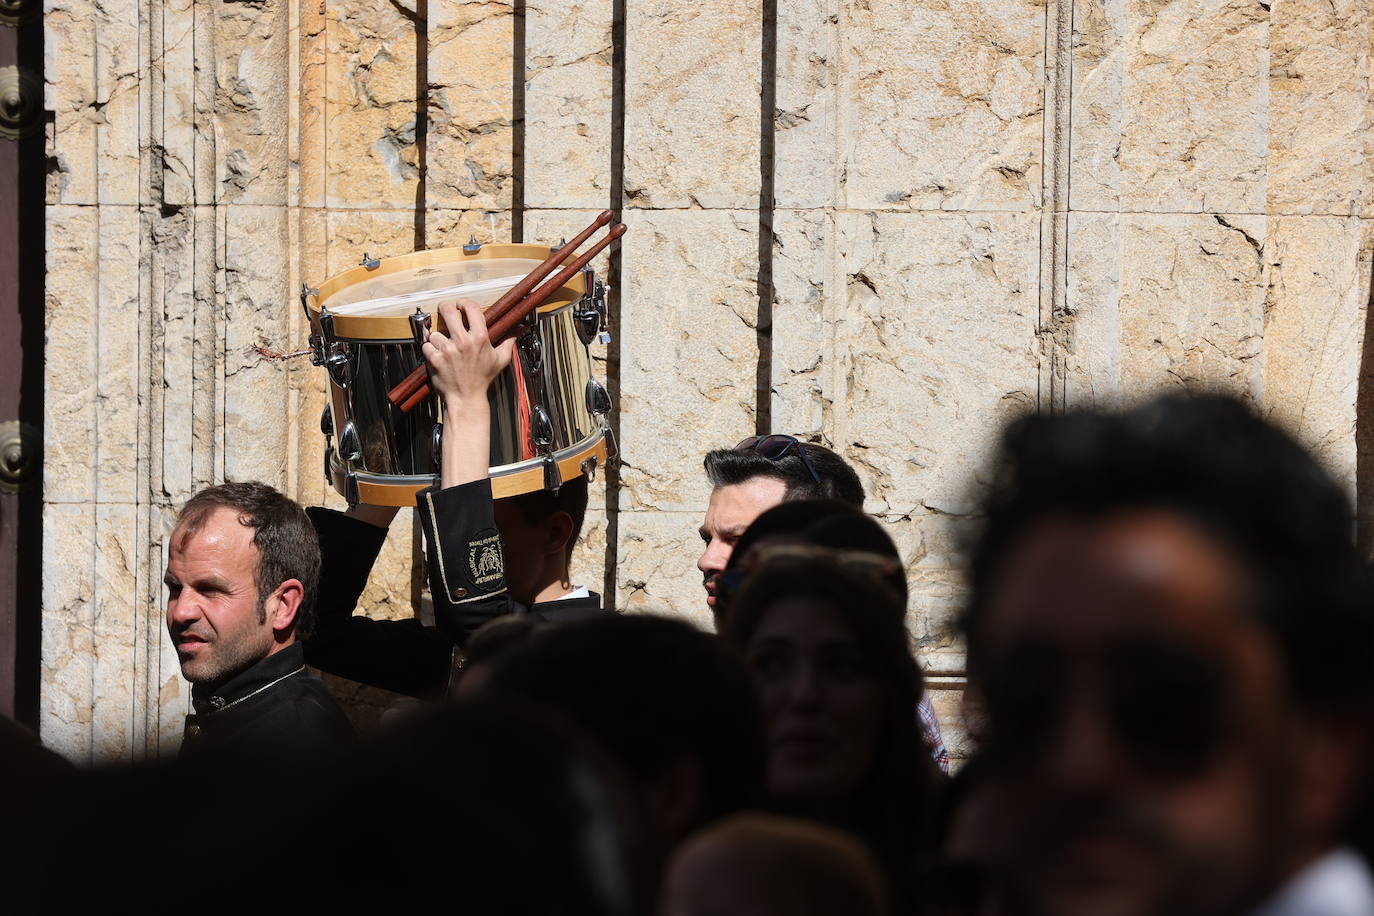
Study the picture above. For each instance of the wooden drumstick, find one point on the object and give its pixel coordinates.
(406, 388)
(503, 327)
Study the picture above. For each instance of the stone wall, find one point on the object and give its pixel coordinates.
(887, 225)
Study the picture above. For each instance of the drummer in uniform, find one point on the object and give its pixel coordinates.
(486, 558)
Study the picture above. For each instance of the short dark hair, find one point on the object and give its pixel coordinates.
(728, 466)
(287, 545)
(1245, 482)
(651, 690)
(570, 498)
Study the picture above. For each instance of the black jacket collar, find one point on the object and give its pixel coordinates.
(256, 677)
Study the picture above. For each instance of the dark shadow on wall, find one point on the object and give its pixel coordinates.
(613, 298)
(1364, 432)
(763, 327)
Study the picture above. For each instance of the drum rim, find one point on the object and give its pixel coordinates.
(433, 257)
(398, 485)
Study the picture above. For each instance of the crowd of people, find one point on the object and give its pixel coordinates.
(1169, 636)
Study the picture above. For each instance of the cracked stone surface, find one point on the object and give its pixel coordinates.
(687, 383)
(470, 106)
(682, 147)
(943, 104)
(1192, 304)
(568, 104)
(371, 90)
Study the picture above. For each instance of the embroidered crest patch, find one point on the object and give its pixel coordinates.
(486, 565)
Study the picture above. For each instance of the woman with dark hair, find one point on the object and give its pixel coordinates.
(825, 640)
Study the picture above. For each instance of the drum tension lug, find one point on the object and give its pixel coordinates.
(589, 469)
(351, 485)
(369, 262)
(473, 245)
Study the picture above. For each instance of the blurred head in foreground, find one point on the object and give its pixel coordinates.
(763, 865)
(1168, 634)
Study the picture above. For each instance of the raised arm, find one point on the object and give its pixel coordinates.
(466, 563)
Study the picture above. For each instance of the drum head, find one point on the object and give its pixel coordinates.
(402, 292)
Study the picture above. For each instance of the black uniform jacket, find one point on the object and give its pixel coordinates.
(275, 706)
(466, 578)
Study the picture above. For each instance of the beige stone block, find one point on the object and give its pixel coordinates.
(683, 148)
(455, 228)
(1319, 108)
(66, 687)
(69, 50)
(568, 104)
(806, 117)
(312, 163)
(804, 317)
(119, 74)
(172, 283)
(550, 227)
(253, 55)
(117, 615)
(121, 367)
(935, 350)
(948, 699)
(1195, 106)
(1314, 326)
(656, 569)
(688, 350)
(206, 427)
(256, 389)
(388, 592)
(589, 557)
(372, 78)
(943, 104)
(470, 129)
(71, 309)
(931, 546)
(174, 74)
(1099, 51)
(309, 383)
(1192, 304)
(1093, 358)
(207, 146)
(350, 234)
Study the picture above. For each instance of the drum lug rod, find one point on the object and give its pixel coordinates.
(589, 469)
(473, 246)
(370, 262)
(316, 344)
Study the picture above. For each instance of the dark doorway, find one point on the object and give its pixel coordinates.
(22, 179)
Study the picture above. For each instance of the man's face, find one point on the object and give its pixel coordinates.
(216, 622)
(731, 510)
(1142, 718)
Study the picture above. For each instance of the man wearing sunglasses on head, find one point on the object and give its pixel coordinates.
(1170, 641)
(757, 474)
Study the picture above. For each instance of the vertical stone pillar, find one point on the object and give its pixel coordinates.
(909, 158)
(690, 299)
(567, 172)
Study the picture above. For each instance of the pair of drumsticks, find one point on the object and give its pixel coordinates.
(516, 305)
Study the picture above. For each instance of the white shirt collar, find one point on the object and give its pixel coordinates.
(1337, 884)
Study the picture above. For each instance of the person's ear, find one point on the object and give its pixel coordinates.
(558, 532)
(283, 605)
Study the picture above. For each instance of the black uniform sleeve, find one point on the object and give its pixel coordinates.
(399, 655)
(466, 566)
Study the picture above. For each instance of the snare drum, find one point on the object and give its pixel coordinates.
(549, 416)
